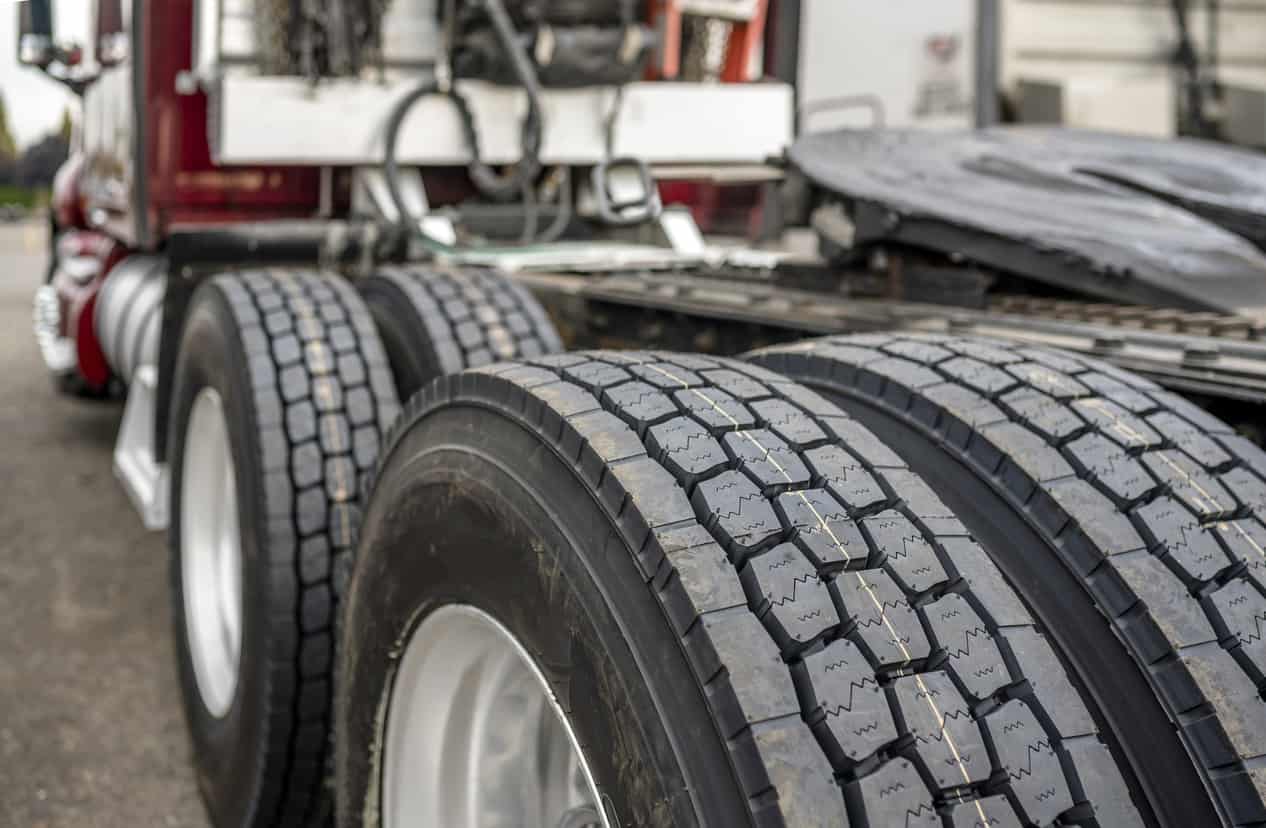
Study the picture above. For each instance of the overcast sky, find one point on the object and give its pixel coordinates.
(36, 103)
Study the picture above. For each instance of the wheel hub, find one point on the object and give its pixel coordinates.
(475, 736)
(211, 554)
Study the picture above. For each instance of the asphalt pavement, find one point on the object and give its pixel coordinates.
(91, 732)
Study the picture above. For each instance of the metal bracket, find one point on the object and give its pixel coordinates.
(682, 233)
(626, 192)
(135, 464)
(372, 198)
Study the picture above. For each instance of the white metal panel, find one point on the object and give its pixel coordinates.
(1057, 40)
(107, 133)
(223, 34)
(206, 36)
(135, 460)
(237, 30)
(1138, 106)
(1118, 72)
(897, 51)
(410, 32)
(266, 120)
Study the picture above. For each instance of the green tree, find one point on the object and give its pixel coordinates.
(67, 128)
(8, 147)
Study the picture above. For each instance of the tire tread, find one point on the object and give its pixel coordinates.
(763, 605)
(1155, 504)
(321, 388)
(459, 318)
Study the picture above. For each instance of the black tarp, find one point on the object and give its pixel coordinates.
(1172, 223)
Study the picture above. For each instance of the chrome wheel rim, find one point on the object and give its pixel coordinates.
(475, 737)
(211, 554)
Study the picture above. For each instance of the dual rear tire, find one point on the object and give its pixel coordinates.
(1131, 521)
(746, 608)
(710, 595)
(283, 390)
(281, 396)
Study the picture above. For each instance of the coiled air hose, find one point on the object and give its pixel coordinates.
(520, 180)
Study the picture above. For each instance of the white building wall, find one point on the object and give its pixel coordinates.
(1116, 55)
(899, 51)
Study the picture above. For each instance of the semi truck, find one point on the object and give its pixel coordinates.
(550, 431)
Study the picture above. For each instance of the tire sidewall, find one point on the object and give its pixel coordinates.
(228, 751)
(449, 523)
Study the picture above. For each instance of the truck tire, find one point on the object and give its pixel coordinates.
(281, 395)
(747, 610)
(1129, 519)
(438, 321)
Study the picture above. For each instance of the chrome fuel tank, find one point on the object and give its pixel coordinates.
(129, 313)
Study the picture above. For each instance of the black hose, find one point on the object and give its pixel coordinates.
(1188, 58)
(499, 188)
(505, 188)
(566, 209)
(391, 167)
(531, 216)
(391, 171)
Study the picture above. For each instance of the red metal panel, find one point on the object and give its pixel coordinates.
(745, 46)
(67, 200)
(92, 362)
(77, 298)
(184, 186)
(742, 52)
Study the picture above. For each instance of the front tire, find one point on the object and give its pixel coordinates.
(281, 395)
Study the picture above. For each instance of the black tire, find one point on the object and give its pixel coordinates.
(73, 385)
(307, 396)
(1130, 519)
(438, 321)
(652, 527)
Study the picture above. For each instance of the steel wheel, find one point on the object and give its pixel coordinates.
(475, 736)
(211, 554)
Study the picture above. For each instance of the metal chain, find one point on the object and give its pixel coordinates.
(708, 47)
(317, 38)
(272, 36)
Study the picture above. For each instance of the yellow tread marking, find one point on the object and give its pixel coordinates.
(765, 452)
(1245, 535)
(866, 585)
(949, 740)
(1118, 425)
(1128, 432)
(1212, 501)
(303, 309)
(1206, 502)
(1200, 502)
(319, 354)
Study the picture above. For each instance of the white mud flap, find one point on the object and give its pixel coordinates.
(142, 476)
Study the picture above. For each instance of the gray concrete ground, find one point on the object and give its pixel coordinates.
(91, 732)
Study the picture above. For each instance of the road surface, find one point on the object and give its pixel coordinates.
(91, 732)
